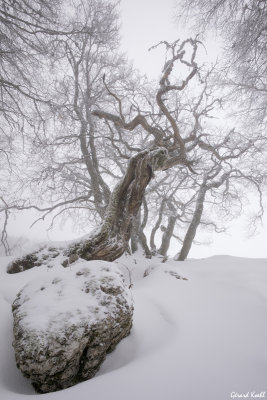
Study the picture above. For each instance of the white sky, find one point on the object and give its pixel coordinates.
(144, 24)
(148, 22)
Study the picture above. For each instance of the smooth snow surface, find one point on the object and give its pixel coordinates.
(204, 338)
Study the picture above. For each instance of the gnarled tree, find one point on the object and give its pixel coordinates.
(169, 149)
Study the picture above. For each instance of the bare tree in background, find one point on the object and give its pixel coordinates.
(27, 31)
(242, 26)
(52, 64)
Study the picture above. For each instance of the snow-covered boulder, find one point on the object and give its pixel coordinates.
(65, 324)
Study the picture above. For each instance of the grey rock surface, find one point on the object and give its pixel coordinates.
(66, 324)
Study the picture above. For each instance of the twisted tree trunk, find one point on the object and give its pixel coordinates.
(125, 201)
(110, 240)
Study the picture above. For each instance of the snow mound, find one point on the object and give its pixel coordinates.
(163, 269)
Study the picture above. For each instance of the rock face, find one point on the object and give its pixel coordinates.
(64, 326)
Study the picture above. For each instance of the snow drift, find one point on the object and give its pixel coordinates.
(203, 338)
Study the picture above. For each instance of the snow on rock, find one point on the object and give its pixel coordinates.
(43, 255)
(48, 254)
(66, 323)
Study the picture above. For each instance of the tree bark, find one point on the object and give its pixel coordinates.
(204, 188)
(167, 235)
(191, 231)
(110, 240)
(138, 236)
(134, 234)
(156, 227)
(125, 201)
(143, 242)
(141, 234)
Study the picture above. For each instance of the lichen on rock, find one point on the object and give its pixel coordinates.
(64, 326)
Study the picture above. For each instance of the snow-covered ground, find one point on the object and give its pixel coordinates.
(204, 338)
